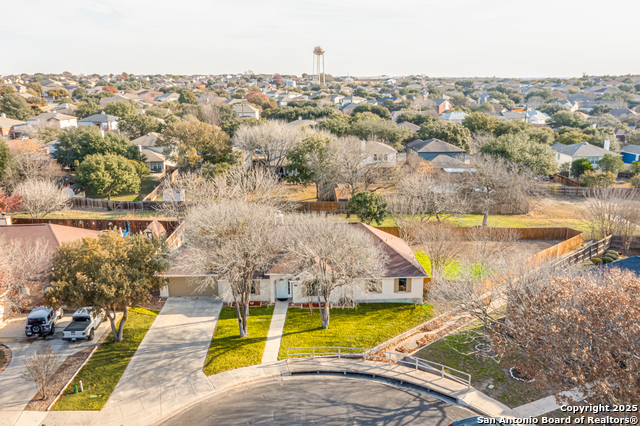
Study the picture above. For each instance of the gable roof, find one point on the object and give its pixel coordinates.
(454, 115)
(433, 145)
(409, 126)
(147, 140)
(442, 161)
(51, 115)
(152, 156)
(54, 235)
(10, 122)
(101, 118)
(631, 149)
(582, 149)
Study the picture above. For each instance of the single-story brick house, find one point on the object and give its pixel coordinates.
(403, 282)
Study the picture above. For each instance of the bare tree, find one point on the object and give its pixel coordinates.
(271, 141)
(333, 256)
(363, 165)
(610, 212)
(578, 333)
(40, 367)
(31, 165)
(442, 244)
(235, 239)
(496, 181)
(41, 197)
(439, 195)
(23, 267)
(258, 186)
(478, 140)
(630, 220)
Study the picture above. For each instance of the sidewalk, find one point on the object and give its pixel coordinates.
(274, 337)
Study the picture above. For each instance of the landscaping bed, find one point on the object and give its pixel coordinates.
(102, 372)
(363, 326)
(484, 371)
(228, 350)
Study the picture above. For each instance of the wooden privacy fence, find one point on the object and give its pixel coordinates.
(135, 225)
(92, 203)
(581, 191)
(565, 180)
(617, 242)
(562, 234)
(582, 254)
(323, 206)
(154, 194)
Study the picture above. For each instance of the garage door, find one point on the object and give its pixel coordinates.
(189, 287)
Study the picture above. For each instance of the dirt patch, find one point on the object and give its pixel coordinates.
(5, 357)
(155, 302)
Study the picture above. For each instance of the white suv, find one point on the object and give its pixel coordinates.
(42, 321)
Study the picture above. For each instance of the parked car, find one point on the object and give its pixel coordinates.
(84, 322)
(42, 321)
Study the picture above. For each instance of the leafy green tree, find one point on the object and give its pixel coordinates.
(339, 125)
(36, 87)
(7, 90)
(188, 97)
(192, 143)
(58, 93)
(635, 181)
(592, 179)
(520, 149)
(80, 93)
(381, 112)
(368, 127)
(108, 175)
(368, 207)
(139, 125)
(571, 137)
(310, 160)
(567, 119)
(611, 163)
(76, 144)
(48, 134)
(15, 107)
(141, 168)
(5, 157)
(579, 166)
(85, 109)
(634, 168)
(633, 137)
(108, 272)
(479, 122)
(599, 135)
(417, 119)
(121, 109)
(455, 134)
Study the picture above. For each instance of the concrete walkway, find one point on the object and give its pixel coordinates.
(274, 337)
(544, 405)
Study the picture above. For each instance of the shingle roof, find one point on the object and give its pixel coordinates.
(582, 149)
(152, 156)
(632, 149)
(100, 118)
(147, 140)
(630, 263)
(433, 145)
(49, 115)
(10, 122)
(443, 161)
(54, 235)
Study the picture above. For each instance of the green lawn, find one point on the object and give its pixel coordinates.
(147, 185)
(500, 221)
(102, 372)
(484, 371)
(451, 271)
(364, 326)
(228, 351)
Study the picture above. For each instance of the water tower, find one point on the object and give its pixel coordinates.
(318, 65)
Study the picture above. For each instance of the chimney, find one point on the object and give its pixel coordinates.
(607, 144)
(3, 115)
(4, 219)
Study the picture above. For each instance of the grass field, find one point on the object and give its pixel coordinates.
(484, 371)
(364, 326)
(147, 185)
(102, 372)
(228, 351)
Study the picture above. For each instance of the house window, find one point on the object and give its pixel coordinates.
(375, 157)
(386, 157)
(255, 287)
(402, 284)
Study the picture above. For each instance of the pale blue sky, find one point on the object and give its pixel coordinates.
(361, 37)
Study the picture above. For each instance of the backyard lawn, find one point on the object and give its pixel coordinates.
(451, 271)
(228, 351)
(147, 185)
(102, 372)
(484, 371)
(364, 326)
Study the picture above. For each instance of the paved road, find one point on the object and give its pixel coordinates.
(322, 400)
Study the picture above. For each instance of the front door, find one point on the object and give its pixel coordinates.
(282, 289)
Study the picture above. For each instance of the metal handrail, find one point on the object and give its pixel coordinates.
(406, 360)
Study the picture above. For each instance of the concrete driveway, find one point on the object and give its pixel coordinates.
(15, 391)
(167, 367)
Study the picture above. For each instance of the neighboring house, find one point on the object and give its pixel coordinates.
(454, 117)
(402, 283)
(414, 128)
(167, 97)
(621, 134)
(246, 111)
(568, 105)
(52, 235)
(377, 153)
(442, 105)
(448, 164)
(148, 140)
(569, 153)
(536, 117)
(8, 125)
(154, 155)
(116, 98)
(104, 121)
(630, 153)
(621, 112)
(67, 109)
(431, 148)
(53, 119)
